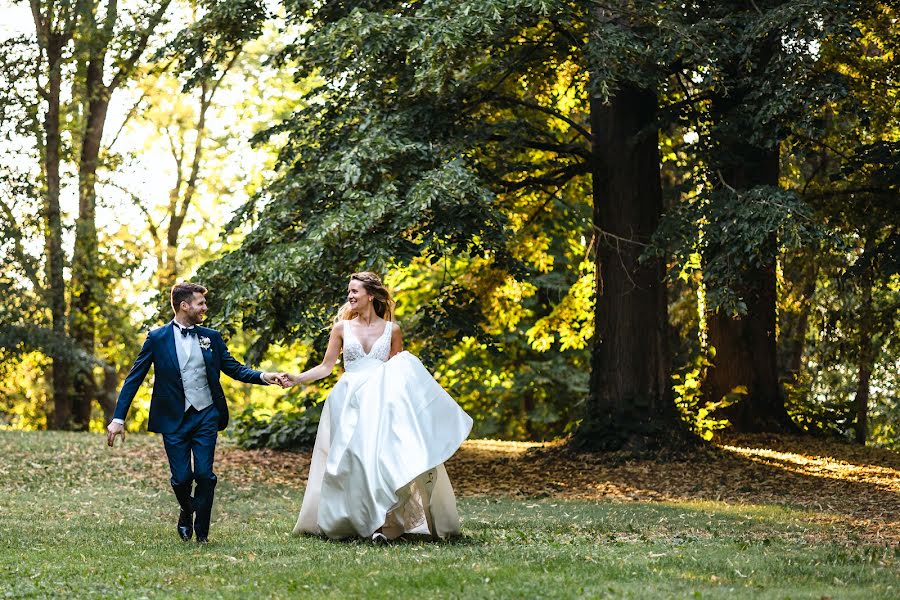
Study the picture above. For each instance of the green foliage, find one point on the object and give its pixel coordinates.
(418, 155)
(735, 232)
(447, 144)
(281, 430)
(848, 294)
(693, 408)
(747, 93)
(205, 47)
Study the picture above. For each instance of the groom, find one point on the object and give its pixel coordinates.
(188, 405)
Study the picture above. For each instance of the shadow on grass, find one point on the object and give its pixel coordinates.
(407, 539)
(852, 488)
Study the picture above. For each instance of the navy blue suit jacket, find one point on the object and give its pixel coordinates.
(167, 402)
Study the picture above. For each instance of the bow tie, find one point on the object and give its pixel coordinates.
(187, 330)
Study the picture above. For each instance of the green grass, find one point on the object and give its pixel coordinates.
(78, 520)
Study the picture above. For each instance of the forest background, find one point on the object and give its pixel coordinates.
(619, 222)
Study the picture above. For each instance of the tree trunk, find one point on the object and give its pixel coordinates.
(86, 285)
(630, 402)
(745, 358)
(62, 407)
(794, 327)
(746, 351)
(180, 202)
(109, 394)
(866, 361)
(74, 385)
(862, 400)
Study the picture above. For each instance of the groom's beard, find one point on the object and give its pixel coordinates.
(194, 318)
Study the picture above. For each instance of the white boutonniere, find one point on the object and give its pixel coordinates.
(204, 342)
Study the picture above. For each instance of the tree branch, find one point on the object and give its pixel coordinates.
(154, 230)
(206, 98)
(128, 64)
(571, 149)
(131, 112)
(546, 110)
(15, 233)
(858, 190)
(557, 178)
(816, 142)
(40, 25)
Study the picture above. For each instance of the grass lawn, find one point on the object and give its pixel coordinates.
(80, 520)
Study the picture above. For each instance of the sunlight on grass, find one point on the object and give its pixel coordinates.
(78, 520)
(820, 466)
(501, 446)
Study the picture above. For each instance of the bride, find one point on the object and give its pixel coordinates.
(386, 429)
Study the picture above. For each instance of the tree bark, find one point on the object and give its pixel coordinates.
(866, 359)
(793, 331)
(74, 385)
(86, 279)
(746, 351)
(86, 285)
(630, 403)
(862, 398)
(53, 42)
(109, 394)
(745, 347)
(62, 401)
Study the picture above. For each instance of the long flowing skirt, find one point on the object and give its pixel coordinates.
(385, 432)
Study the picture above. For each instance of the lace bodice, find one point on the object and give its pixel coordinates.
(353, 349)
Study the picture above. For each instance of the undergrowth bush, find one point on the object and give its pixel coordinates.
(282, 430)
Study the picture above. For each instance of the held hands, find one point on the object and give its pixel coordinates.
(286, 380)
(273, 378)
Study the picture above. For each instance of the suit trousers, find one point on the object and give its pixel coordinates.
(196, 435)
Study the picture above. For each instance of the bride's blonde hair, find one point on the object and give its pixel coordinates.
(381, 298)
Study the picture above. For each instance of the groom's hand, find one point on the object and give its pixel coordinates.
(114, 429)
(272, 378)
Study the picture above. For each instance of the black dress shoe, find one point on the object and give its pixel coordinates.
(185, 525)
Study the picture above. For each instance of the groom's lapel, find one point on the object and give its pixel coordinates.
(206, 352)
(169, 346)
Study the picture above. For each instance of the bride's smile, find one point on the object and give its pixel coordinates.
(357, 297)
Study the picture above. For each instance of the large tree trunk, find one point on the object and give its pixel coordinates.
(109, 394)
(74, 385)
(745, 358)
(62, 401)
(54, 25)
(630, 403)
(86, 285)
(746, 352)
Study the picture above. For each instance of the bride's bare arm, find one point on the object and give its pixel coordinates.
(396, 341)
(323, 369)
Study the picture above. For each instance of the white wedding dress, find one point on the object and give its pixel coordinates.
(386, 429)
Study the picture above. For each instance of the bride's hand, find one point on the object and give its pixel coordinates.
(286, 380)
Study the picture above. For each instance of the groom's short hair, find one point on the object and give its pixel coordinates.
(184, 292)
